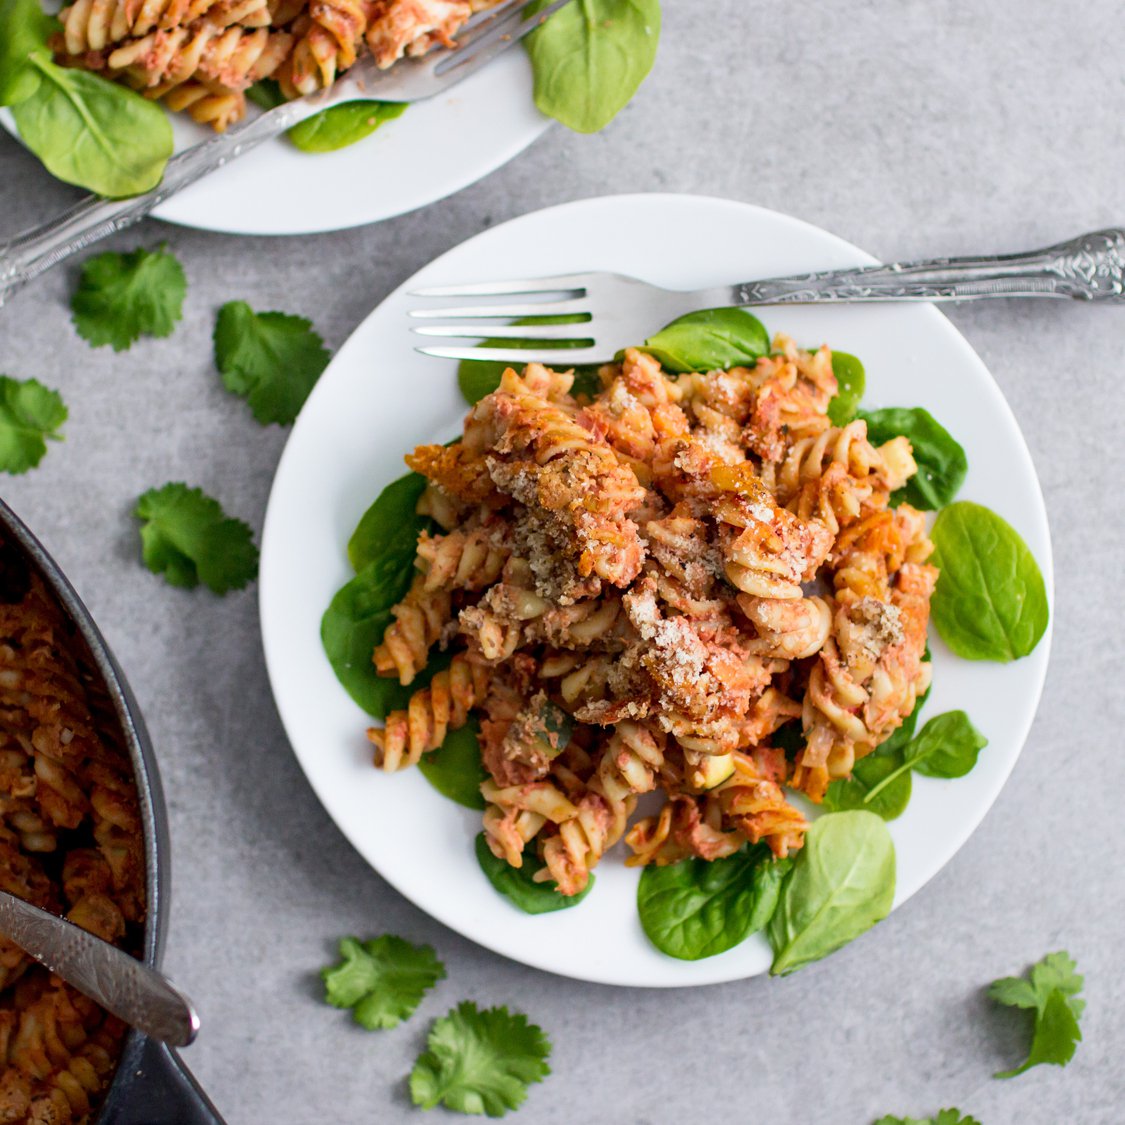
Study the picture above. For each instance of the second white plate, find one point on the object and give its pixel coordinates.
(435, 148)
(379, 398)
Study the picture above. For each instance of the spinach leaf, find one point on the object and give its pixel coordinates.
(518, 885)
(991, 601)
(480, 377)
(947, 746)
(590, 58)
(879, 783)
(26, 27)
(710, 340)
(789, 738)
(942, 464)
(455, 769)
(343, 125)
(390, 524)
(851, 380)
(94, 133)
(695, 909)
(265, 94)
(382, 550)
(841, 884)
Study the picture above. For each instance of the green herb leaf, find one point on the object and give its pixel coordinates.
(518, 885)
(382, 551)
(382, 980)
(591, 57)
(1051, 989)
(186, 537)
(480, 1061)
(272, 359)
(455, 770)
(122, 297)
(947, 746)
(710, 340)
(991, 601)
(945, 1117)
(851, 381)
(92, 132)
(942, 464)
(842, 883)
(265, 94)
(343, 125)
(695, 909)
(879, 783)
(26, 27)
(480, 377)
(30, 413)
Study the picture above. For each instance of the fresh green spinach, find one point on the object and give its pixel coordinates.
(92, 132)
(879, 783)
(695, 908)
(343, 125)
(942, 464)
(518, 885)
(590, 58)
(382, 551)
(455, 769)
(841, 884)
(947, 746)
(710, 340)
(26, 28)
(851, 380)
(480, 377)
(991, 600)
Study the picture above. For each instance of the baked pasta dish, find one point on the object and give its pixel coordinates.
(641, 590)
(200, 56)
(70, 842)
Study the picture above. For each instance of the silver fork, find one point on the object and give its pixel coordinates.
(480, 40)
(614, 312)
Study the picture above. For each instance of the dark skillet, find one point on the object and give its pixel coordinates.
(152, 1086)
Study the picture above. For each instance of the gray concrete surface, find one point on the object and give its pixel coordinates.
(906, 126)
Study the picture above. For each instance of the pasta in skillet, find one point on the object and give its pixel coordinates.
(638, 589)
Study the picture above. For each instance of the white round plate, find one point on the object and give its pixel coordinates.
(435, 148)
(379, 397)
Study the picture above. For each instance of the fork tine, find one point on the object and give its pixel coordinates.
(561, 358)
(483, 312)
(534, 332)
(495, 37)
(571, 282)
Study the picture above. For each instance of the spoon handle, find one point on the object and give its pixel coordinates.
(128, 988)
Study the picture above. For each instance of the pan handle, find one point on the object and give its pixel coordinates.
(154, 1087)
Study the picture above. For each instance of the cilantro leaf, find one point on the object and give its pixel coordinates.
(29, 414)
(944, 1117)
(479, 1062)
(122, 297)
(382, 980)
(1051, 990)
(187, 538)
(271, 359)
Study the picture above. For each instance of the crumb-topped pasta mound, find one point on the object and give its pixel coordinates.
(636, 590)
(70, 842)
(200, 56)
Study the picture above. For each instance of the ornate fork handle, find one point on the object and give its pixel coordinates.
(31, 253)
(1089, 268)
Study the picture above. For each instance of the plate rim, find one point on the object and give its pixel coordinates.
(1045, 561)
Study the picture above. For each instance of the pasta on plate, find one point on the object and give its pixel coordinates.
(637, 589)
(200, 56)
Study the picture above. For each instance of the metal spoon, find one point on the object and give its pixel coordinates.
(121, 984)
